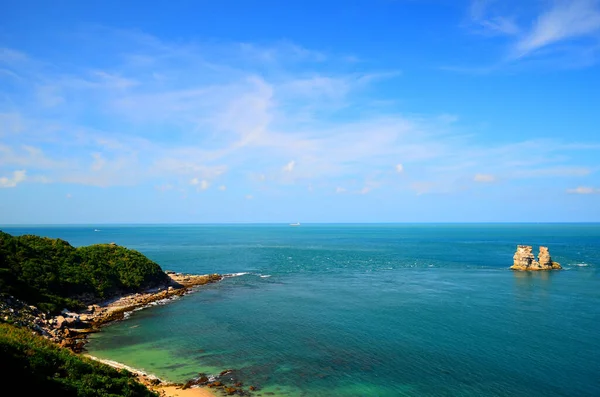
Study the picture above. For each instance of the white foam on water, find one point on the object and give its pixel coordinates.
(235, 274)
(264, 275)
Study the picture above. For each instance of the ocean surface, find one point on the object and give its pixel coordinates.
(366, 310)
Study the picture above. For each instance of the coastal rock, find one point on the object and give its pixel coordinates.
(524, 259)
(60, 321)
(69, 329)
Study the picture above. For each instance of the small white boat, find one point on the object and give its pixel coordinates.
(96, 230)
(295, 224)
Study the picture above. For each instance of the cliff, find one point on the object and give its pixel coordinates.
(525, 260)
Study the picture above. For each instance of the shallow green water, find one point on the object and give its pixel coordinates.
(368, 310)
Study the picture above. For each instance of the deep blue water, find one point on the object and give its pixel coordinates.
(367, 310)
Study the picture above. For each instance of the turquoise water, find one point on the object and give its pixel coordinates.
(367, 310)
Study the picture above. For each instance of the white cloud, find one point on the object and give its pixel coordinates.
(484, 178)
(29, 156)
(223, 117)
(202, 184)
(289, 167)
(566, 19)
(17, 177)
(365, 190)
(222, 188)
(69, 195)
(554, 33)
(339, 190)
(493, 25)
(584, 190)
(248, 197)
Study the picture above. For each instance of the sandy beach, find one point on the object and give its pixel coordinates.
(116, 310)
(164, 388)
(177, 391)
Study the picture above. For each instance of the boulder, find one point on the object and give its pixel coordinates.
(60, 321)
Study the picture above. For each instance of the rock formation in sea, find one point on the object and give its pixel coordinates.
(525, 260)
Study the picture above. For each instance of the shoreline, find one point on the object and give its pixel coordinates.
(116, 309)
(120, 308)
(70, 330)
(152, 382)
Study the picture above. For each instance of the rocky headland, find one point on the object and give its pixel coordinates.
(70, 328)
(525, 260)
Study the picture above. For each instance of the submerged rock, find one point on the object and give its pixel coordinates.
(524, 259)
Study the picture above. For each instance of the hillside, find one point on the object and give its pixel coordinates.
(51, 274)
(42, 368)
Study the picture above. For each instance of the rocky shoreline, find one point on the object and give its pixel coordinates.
(70, 328)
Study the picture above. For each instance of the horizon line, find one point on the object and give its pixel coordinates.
(288, 224)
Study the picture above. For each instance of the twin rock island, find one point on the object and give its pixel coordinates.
(524, 259)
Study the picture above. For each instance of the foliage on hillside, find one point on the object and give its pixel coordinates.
(40, 367)
(51, 274)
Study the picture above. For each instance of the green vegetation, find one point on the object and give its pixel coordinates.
(51, 274)
(42, 368)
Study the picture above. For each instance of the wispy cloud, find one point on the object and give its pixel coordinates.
(187, 116)
(484, 178)
(565, 19)
(491, 24)
(584, 190)
(563, 32)
(12, 181)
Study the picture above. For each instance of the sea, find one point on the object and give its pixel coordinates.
(365, 309)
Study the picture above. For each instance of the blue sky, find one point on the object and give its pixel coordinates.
(310, 111)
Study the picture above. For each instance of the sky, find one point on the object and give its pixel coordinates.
(299, 111)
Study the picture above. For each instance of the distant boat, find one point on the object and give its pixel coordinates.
(96, 230)
(295, 224)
